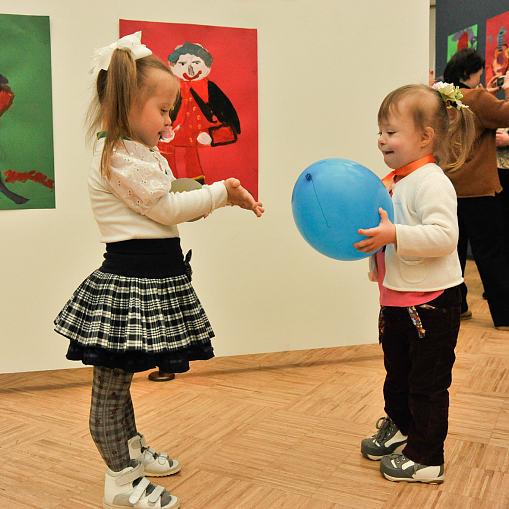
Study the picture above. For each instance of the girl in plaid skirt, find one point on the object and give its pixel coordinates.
(138, 310)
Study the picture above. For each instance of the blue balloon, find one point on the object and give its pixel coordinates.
(332, 199)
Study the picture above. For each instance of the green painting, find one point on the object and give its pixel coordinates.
(26, 123)
(466, 38)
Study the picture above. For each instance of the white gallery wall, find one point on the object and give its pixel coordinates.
(324, 67)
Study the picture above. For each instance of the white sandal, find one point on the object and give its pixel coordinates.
(126, 489)
(157, 464)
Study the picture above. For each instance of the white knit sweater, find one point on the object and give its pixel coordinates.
(136, 203)
(427, 234)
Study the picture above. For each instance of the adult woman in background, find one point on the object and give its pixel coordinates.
(477, 185)
(503, 175)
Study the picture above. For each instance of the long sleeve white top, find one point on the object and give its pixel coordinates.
(426, 222)
(136, 202)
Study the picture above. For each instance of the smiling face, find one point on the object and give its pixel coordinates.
(190, 68)
(150, 116)
(399, 140)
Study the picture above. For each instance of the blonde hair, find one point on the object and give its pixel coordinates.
(454, 130)
(126, 81)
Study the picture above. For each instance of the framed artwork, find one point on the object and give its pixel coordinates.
(214, 133)
(466, 38)
(26, 123)
(497, 50)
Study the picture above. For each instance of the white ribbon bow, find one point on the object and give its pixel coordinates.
(101, 57)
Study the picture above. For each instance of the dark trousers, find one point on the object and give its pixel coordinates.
(480, 222)
(503, 175)
(112, 421)
(419, 373)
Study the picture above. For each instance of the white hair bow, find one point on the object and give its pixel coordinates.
(101, 57)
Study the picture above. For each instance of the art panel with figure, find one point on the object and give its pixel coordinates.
(466, 38)
(215, 120)
(497, 46)
(26, 121)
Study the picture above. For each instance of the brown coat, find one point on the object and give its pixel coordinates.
(479, 175)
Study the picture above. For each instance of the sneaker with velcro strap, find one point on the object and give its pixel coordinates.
(387, 440)
(398, 468)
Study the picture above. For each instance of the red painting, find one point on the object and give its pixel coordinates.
(497, 49)
(214, 134)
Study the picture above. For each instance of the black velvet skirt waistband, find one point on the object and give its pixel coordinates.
(144, 258)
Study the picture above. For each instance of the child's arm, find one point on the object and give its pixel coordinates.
(436, 234)
(381, 235)
(175, 208)
(143, 187)
(237, 195)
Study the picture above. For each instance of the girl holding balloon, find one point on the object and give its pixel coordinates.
(418, 273)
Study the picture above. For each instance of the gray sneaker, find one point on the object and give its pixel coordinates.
(398, 468)
(388, 440)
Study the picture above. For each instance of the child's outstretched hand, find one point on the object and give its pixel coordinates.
(383, 234)
(237, 195)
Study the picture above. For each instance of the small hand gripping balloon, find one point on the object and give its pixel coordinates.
(332, 199)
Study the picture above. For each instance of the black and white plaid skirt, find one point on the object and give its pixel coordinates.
(138, 311)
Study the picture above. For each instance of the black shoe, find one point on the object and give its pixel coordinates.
(466, 315)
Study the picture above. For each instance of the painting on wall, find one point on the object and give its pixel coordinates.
(214, 134)
(26, 123)
(466, 38)
(497, 49)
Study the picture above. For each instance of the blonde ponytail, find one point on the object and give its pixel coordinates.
(461, 138)
(116, 90)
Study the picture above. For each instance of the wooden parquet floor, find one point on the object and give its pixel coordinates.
(273, 431)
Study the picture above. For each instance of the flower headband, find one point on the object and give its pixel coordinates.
(101, 57)
(450, 94)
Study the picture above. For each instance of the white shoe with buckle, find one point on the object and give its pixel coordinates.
(157, 464)
(128, 488)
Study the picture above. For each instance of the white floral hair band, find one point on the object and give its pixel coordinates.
(101, 58)
(451, 95)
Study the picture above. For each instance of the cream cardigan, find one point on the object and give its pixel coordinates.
(136, 203)
(426, 259)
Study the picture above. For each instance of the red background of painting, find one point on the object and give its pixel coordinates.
(234, 70)
(492, 27)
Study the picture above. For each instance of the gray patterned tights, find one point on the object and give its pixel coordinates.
(112, 421)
